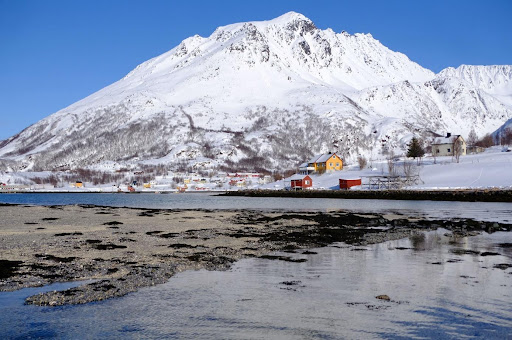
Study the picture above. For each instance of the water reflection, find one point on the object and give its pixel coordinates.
(434, 293)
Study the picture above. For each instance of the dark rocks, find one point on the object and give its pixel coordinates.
(282, 258)
(489, 253)
(69, 234)
(107, 246)
(8, 268)
(113, 223)
(464, 252)
(503, 266)
(469, 195)
(383, 297)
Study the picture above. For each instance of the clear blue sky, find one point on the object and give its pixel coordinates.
(53, 53)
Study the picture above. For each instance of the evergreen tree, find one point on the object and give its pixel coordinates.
(415, 149)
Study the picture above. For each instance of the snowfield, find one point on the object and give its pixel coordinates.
(490, 169)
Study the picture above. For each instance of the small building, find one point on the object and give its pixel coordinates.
(445, 146)
(322, 163)
(474, 149)
(346, 184)
(79, 184)
(298, 181)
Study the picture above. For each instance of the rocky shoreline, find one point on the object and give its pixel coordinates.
(125, 249)
(463, 195)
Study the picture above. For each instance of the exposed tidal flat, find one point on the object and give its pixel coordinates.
(121, 250)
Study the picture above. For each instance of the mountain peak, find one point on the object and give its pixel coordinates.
(290, 17)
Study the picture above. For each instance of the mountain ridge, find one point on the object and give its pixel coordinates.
(263, 94)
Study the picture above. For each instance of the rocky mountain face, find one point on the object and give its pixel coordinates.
(265, 95)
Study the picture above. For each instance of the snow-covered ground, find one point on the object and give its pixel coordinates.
(490, 169)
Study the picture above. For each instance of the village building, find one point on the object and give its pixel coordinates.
(299, 182)
(322, 163)
(445, 146)
(346, 183)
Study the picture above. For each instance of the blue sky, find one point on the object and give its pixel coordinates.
(53, 53)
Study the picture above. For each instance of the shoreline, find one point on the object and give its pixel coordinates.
(462, 195)
(125, 249)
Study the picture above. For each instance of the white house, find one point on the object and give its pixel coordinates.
(445, 146)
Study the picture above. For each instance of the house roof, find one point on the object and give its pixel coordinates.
(321, 158)
(445, 140)
(303, 165)
(314, 159)
(297, 177)
(324, 157)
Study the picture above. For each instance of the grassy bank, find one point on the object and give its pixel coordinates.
(431, 195)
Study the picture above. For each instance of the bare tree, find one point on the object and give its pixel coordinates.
(362, 162)
(391, 163)
(506, 137)
(472, 138)
(457, 148)
(434, 149)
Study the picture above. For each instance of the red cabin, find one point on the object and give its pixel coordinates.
(346, 184)
(301, 182)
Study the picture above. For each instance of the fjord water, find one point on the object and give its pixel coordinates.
(484, 211)
(434, 291)
(438, 287)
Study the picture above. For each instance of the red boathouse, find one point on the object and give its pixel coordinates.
(346, 184)
(301, 182)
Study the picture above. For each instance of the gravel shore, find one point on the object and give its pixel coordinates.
(124, 249)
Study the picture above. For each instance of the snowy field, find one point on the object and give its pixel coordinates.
(490, 169)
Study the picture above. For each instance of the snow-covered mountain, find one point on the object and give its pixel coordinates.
(265, 94)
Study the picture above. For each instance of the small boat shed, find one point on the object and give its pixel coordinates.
(300, 182)
(346, 184)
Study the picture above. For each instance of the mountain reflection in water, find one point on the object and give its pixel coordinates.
(438, 286)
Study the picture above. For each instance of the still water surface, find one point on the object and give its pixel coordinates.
(434, 293)
(499, 212)
(332, 295)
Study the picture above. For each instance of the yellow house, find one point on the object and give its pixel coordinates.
(322, 163)
(78, 184)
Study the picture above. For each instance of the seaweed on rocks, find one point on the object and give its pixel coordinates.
(113, 223)
(8, 268)
(76, 233)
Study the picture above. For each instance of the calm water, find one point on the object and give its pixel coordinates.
(501, 212)
(331, 296)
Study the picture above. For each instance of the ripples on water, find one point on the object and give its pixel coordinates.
(332, 295)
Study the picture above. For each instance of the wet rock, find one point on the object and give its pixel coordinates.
(465, 252)
(503, 266)
(383, 297)
(282, 258)
(113, 223)
(107, 246)
(8, 268)
(290, 283)
(77, 233)
(489, 253)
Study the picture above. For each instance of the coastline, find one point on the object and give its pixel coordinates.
(125, 249)
(463, 195)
